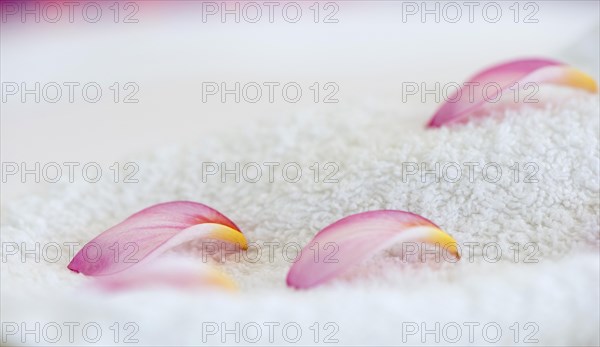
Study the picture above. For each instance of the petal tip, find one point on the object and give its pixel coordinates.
(73, 267)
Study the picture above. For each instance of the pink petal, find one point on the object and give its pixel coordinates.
(172, 273)
(357, 237)
(150, 232)
(467, 99)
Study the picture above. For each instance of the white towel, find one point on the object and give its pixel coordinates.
(554, 301)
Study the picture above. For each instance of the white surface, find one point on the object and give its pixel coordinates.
(369, 133)
(559, 214)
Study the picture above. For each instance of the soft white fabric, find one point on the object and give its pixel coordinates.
(559, 214)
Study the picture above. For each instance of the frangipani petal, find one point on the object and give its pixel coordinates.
(357, 237)
(488, 86)
(150, 232)
(172, 273)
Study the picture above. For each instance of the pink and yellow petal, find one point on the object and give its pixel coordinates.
(356, 238)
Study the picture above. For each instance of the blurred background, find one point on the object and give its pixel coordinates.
(150, 59)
